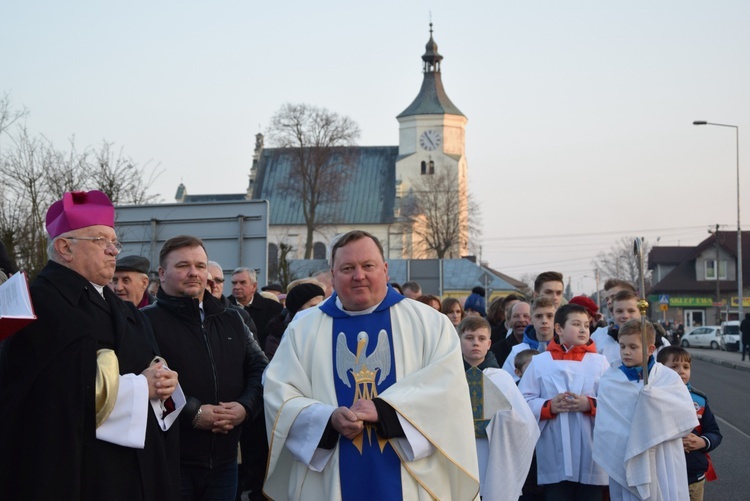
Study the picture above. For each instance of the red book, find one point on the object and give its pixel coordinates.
(16, 310)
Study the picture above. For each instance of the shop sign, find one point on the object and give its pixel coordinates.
(682, 302)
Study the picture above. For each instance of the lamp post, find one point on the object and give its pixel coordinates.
(739, 228)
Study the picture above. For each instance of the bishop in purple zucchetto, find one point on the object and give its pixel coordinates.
(79, 209)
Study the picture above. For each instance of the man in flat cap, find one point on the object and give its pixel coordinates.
(86, 402)
(273, 288)
(130, 282)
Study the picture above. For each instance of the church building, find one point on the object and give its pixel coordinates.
(380, 183)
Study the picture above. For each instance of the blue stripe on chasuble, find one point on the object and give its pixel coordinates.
(363, 354)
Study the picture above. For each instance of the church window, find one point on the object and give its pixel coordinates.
(319, 250)
(273, 256)
(432, 167)
(424, 167)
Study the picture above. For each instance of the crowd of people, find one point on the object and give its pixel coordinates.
(341, 386)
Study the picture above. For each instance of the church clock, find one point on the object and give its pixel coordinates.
(430, 140)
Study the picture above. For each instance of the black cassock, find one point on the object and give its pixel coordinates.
(48, 445)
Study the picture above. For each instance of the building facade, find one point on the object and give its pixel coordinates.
(379, 183)
(698, 285)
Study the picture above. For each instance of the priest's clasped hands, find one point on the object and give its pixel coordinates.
(350, 421)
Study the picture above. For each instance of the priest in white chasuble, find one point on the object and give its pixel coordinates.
(366, 396)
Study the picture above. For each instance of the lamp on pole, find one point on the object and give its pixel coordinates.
(739, 228)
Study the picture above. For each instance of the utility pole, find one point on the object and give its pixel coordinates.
(598, 291)
(716, 270)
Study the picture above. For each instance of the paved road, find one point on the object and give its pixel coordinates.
(728, 391)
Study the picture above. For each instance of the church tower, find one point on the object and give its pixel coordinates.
(431, 142)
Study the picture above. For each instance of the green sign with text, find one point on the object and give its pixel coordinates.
(681, 302)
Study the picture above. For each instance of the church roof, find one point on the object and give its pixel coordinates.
(432, 99)
(220, 197)
(367, 195)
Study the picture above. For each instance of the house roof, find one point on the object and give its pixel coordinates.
(367, 195)
(512, 281)
(668, 255)
(682, 278)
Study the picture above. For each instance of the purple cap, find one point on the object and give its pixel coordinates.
(79, 209)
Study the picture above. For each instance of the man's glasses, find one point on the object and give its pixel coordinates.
(100, 241)
(213, 282)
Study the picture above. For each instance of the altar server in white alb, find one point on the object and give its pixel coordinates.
(639, 429)
(561, 386)
(366, 396)
(505, 429)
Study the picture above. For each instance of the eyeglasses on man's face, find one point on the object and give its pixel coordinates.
(102, 242)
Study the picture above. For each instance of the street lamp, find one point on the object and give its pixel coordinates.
(739, 228)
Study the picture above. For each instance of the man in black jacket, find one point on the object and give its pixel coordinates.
(745, 335)
(254, 442)
(222, 367)
(245, 293)
(216, 287)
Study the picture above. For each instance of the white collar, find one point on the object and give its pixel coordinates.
(356, 313)
(99, 288)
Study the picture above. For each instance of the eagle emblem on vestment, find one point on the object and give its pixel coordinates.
(364, 369)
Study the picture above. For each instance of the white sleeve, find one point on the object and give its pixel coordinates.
(305, 433)
(531, 389)
(510, 365)
(415, 445)
(126, 424)
(179, 400)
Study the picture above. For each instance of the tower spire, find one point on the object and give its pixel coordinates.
(432, 99)
(431, 56)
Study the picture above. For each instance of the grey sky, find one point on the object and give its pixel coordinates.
(579, 112)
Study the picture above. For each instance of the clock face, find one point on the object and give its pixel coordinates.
(430, 140)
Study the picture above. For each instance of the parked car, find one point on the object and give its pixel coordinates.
(709, 336)
(731, 332)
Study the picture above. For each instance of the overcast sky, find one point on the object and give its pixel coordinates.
(580, 112)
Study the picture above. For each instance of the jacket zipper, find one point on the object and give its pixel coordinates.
(216, 387)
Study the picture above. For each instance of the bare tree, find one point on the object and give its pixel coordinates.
(320, 140)
(9, 116)
(26, 197)
(435, 212)
(528, 279)
(620, 262)
(34, 174)
(123, 181)
(67, 171)
(285, 272)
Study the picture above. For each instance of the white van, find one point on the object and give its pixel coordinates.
(731, 331)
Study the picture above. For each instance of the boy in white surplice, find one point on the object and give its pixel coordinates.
(561, 385)
(639, 429)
